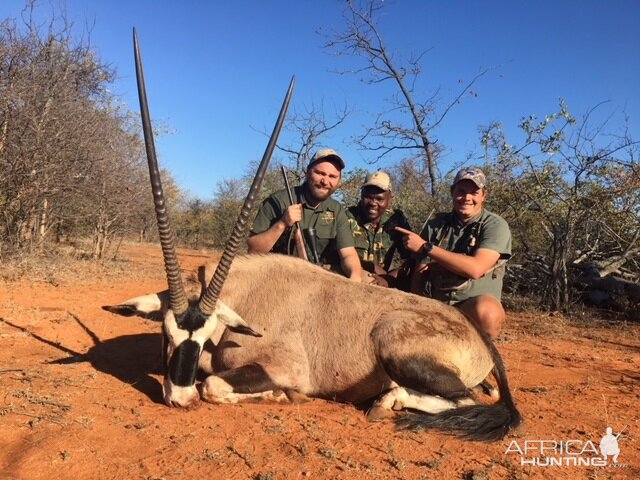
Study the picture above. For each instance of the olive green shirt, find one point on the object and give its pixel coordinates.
(328, 218)
(379, 244)
(486, 230)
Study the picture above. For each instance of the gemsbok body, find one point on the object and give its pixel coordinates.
(324, 336)
(278, 327)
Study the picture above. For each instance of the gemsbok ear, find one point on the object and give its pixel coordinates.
(245, 331)
(123, 310)
(143, 305)
(233, 321)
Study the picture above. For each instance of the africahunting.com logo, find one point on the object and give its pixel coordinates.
(568, 453)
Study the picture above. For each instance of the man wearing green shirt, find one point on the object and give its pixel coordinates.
(372, 223)
(314, 208)
(463, 253)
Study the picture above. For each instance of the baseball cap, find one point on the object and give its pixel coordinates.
(378, 179)
(471, 173)
(327, 155)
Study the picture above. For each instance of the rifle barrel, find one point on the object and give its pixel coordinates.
(300, 246)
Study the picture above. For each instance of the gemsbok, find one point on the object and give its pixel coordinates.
(285, 329)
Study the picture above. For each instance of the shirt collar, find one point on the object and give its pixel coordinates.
(459, 223)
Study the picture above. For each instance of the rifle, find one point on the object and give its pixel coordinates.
(426, 221)
(297, 231)
(310, 238)
(620, 432)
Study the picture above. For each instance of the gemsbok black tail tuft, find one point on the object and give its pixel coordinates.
(487, 423)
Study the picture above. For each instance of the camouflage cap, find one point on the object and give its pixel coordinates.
(471, 173)
(378, 179)
(327, 155)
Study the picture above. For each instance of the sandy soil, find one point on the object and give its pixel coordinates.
(81, 398)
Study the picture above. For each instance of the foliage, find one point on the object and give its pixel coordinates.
(71, 160)
(571, 193)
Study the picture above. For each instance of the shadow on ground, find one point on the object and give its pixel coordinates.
(132, 359)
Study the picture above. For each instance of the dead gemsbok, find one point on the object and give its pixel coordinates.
(282, 328)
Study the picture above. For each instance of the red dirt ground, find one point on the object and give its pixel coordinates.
(81, 398)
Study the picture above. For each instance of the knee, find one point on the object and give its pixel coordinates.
(487, 312)
(491, 315)
(492, 327)
(214, 389)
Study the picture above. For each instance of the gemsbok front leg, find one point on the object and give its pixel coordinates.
(247, 383)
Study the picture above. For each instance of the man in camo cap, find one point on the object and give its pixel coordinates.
(463, 253)
(379, 246)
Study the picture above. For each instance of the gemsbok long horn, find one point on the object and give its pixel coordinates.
(210, 297)
(177, 296)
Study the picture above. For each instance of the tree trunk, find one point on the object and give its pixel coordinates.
(559, 284)
(42, 229)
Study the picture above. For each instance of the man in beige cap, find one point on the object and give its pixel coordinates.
(313, 208)
(464, 252)
(372, 221)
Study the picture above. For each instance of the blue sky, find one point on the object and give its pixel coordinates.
(217, 71)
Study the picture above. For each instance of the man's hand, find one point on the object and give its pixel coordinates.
(292, 214)
(411, 241)
(263, 242)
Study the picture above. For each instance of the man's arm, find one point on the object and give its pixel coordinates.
(350, 263)
(467, 266)
(263, 242)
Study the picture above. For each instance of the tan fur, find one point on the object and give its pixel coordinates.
(324, 335)
(320, 329)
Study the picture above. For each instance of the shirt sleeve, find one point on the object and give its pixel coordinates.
(269, 213)
(495, 235)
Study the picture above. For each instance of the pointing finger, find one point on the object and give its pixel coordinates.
(403, 230)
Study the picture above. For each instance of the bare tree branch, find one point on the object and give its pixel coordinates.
(362, 37)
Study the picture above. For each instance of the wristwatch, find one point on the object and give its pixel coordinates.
(426, 248)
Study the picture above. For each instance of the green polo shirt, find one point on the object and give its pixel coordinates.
(328, 218)
(379, 244)
(486, 230)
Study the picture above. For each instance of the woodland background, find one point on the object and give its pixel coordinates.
(74, 181)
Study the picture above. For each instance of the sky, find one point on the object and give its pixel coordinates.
(217, 71)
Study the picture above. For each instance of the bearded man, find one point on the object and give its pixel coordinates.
(313, 208)
(380, 248)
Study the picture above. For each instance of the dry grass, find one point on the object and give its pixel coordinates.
(67, 264)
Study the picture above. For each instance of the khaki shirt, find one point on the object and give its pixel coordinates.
(380, 244)
(486, 230)
(328, 218)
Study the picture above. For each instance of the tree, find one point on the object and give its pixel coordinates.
(307, 128)
(410, 123)
(229, 197)
(71, 158)
(571, 193)
(50, 90)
